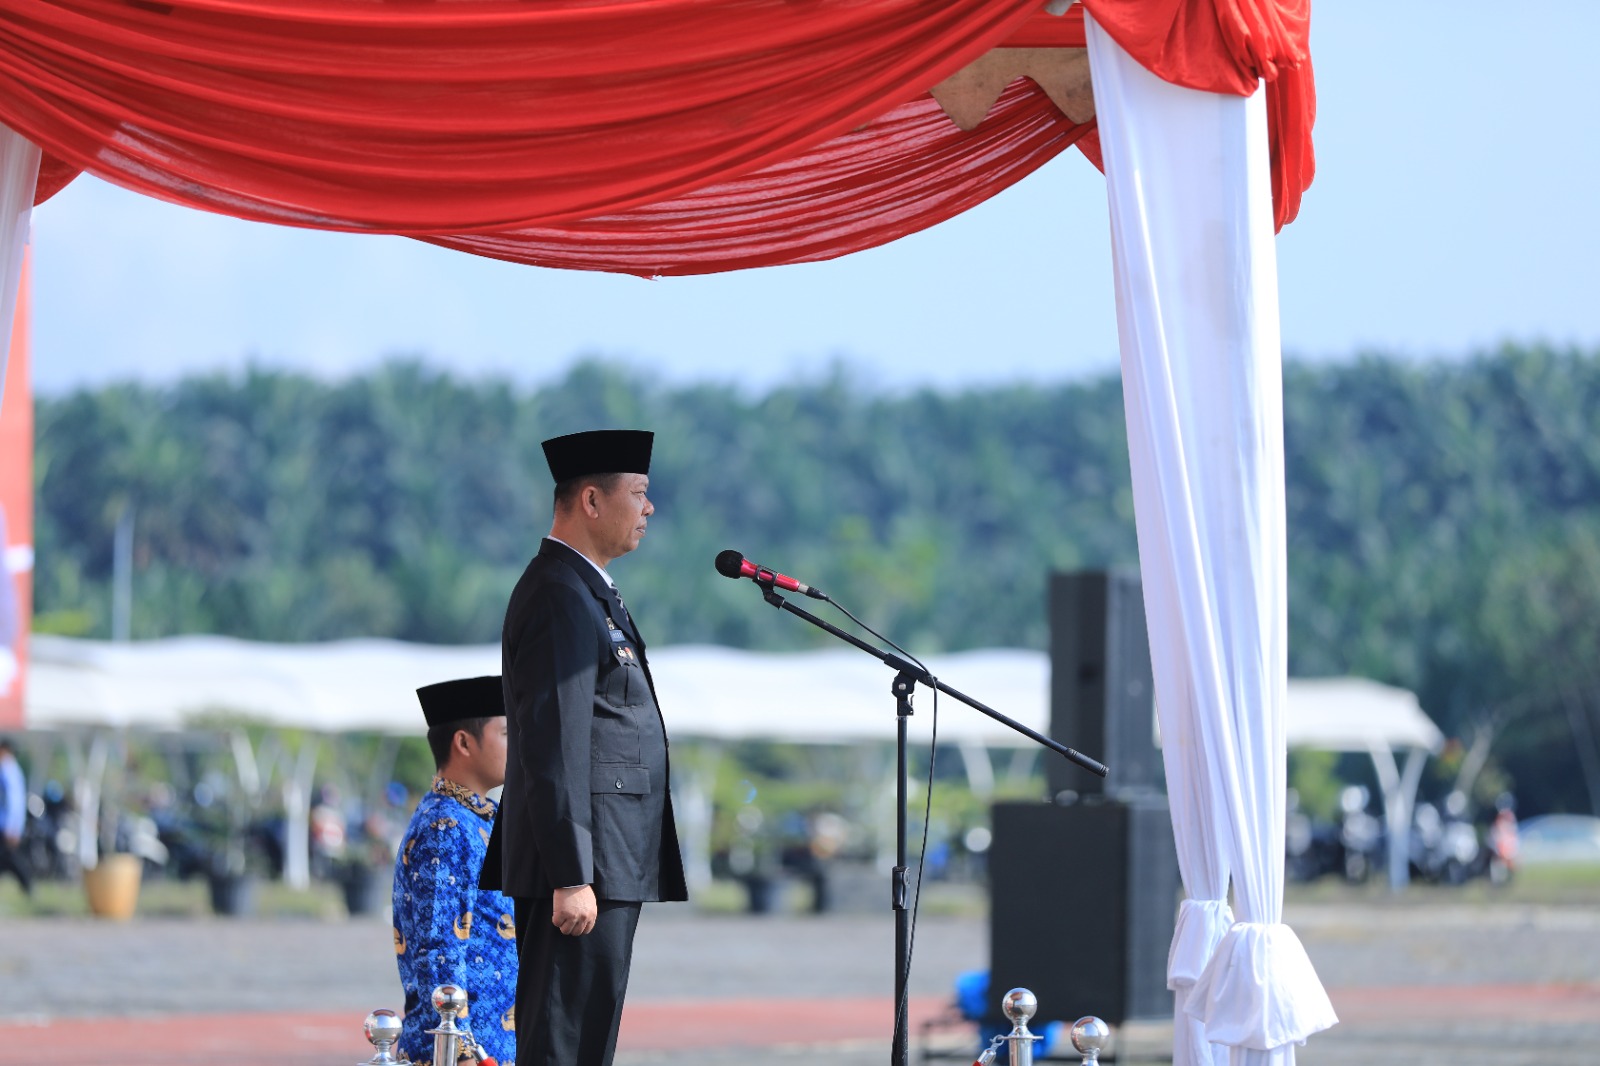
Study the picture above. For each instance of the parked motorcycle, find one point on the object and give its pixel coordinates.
(1361, 836)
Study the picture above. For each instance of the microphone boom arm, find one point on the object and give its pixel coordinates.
(903, 687)
(916, 673)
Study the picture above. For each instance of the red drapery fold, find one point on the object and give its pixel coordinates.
(1231, 46)
(640, 136)
(905, 172)
(465, 115)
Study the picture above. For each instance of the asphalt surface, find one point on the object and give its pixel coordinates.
(1507, 985)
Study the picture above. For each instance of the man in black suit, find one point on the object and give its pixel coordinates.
(585, 832)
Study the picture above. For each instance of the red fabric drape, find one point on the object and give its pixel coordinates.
(466, 115)
(1230, 46)
(909, 170)
(54, 175)
(644, 136)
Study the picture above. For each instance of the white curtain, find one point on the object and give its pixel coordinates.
(19, 173)
(1197, 315)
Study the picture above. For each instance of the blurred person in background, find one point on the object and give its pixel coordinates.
(1502, 839)
(13, 816)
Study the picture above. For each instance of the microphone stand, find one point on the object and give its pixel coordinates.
(907, 676)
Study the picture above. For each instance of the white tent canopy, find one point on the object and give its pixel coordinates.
(1354, 714)
(830, 696)
(163, 684)
(833, 696)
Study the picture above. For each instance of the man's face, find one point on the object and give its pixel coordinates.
(489, 753)
(623, 513)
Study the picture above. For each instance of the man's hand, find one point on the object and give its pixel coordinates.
(574, 910)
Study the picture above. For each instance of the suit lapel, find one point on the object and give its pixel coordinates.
(597, 585)
(623, 617)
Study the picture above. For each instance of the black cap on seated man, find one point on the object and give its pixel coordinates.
(585, 834)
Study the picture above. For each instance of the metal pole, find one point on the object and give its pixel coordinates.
(450, 1001)
(122, 576)
(900, 1047)
(1018, 1006)
(1090, 1036)
(383, 1028)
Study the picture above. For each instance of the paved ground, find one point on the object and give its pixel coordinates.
(1511, 986)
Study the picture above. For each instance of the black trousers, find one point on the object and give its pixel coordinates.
(14, 862)
(570, 988)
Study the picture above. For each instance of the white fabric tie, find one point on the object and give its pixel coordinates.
(1260, 990)
(1202, 923)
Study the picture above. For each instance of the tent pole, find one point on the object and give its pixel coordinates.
(297, 816)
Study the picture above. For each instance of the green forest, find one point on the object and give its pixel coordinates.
(1444, 517)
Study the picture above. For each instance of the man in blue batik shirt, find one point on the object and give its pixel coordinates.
(446, 929)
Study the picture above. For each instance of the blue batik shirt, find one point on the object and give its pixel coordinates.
(448, 931)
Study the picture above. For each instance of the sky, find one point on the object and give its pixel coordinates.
(1454, 208)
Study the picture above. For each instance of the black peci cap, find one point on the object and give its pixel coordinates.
(599, 451)
(456, 701)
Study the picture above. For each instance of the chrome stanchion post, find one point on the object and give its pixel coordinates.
(1089, 1036)
(1019, 1005)
(383, 1031)
(449, 1001)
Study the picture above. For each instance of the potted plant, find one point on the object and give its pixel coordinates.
(123, 842)
(231, 881)
(365, 867)
(233, 861)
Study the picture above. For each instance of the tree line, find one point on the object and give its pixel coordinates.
(1444, 517)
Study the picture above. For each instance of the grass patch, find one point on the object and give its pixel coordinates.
(163, 898)
(942, 898)
(1575, 885)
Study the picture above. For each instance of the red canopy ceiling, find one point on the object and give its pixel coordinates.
(647, 136)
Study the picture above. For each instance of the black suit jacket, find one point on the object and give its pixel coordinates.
(586, 798)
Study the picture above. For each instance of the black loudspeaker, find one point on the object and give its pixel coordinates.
(1083, 903)
(1102, 693)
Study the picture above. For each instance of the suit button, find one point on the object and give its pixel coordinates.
(619, 784)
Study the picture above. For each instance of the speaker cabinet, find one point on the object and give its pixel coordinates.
(1102, 698)
(1083, 903)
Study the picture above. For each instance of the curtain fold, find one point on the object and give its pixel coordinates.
(640, 136)
(457, 118)
(1202, 923)
(1189, 188)
(907, 171)
(1230, 47)
(19, 171)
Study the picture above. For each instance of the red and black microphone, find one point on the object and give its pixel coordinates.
(732, 564)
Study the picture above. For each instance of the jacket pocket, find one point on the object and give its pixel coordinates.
(619, 780)
(630, 671)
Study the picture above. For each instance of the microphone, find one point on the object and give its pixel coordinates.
(732, 564)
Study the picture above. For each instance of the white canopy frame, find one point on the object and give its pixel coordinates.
(19, 176)
(1187, 177)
